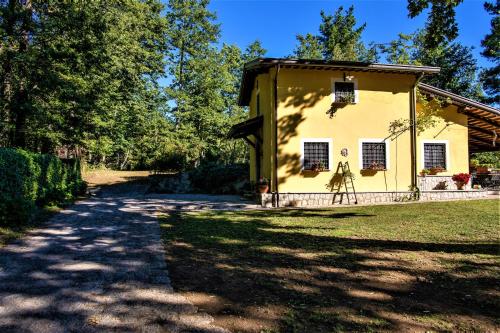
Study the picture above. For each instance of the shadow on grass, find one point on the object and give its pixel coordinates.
(266, 274)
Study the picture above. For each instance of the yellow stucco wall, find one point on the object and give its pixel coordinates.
(263, 86)
(304, 97)
(451, 128)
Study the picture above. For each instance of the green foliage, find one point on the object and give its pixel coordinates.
(490, 77)
(28, 179)
(253, 51)
(428, 111)
(441, 26)
(220, 179)
(399, 51)
(459, 69)
(309, 47)
(19, 174)
(487, 159)
(90, 69)
(204, 88)
(339, 39)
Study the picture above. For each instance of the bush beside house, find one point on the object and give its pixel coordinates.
(29, 180)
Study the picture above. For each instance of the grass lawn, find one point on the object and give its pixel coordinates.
(416, 267)
(105, 177)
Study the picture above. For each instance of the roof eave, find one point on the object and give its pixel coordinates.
(263, 64)
(458, 98)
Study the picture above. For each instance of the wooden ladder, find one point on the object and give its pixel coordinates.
(346, 181)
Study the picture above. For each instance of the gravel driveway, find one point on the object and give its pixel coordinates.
(98, 266)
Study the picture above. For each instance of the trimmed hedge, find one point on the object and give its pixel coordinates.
(29, 180)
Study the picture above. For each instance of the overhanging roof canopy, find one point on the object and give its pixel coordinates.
(246, 128)
(262, 65)
(483, 120)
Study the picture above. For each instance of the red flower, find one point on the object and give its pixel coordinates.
(461, 178)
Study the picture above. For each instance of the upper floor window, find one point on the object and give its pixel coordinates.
(434, 155)
(316, 154)
(344, 91)
(374, 154)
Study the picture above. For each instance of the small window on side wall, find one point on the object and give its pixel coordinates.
(434, 155)
(258, 104)
(374, 155)
(345, 92)
(316, 154)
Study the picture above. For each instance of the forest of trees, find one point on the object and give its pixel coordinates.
(139, 84)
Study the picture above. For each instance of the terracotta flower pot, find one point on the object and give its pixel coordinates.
(482, 169)
(460, 185)
(263, 188)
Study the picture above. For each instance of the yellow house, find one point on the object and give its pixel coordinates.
(309, 117)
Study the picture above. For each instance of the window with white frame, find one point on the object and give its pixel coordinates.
(374, 154)
(434, 155)
(316, 154)
(345, 90)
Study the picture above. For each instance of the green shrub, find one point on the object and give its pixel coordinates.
(490, 159)
(28, 180)
(220, 179)
(19, 175)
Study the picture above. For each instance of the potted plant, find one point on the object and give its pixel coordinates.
(317, 166)
(263, 185)
(436, 169)
(461, 179)
(344, 97)
(376, 166)
(425, 172)
(483, 168)
(474, 163)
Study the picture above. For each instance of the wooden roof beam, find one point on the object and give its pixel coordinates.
(483, 141)
(474, 116)
(482, 130)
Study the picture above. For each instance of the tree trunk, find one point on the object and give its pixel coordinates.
(21, 99)
(6, 90)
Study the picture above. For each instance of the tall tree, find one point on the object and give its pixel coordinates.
(78, 72)
(309, 47)
(459, 69)
(441, 26)
(400, 50)
(490, 77)
(253, 51)
(339, 39)
(192, 32)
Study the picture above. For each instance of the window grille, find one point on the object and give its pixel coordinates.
(374, 154)
(315, 152)
(434, 155)
(344, 92)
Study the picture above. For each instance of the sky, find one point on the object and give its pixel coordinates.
(276, 22)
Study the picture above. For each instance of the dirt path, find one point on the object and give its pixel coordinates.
(98, 266)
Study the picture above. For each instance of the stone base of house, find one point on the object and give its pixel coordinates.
(429, 183)
(330, 199)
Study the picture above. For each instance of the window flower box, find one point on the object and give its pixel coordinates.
(342, 97)
(374, 166)
(437, 169)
